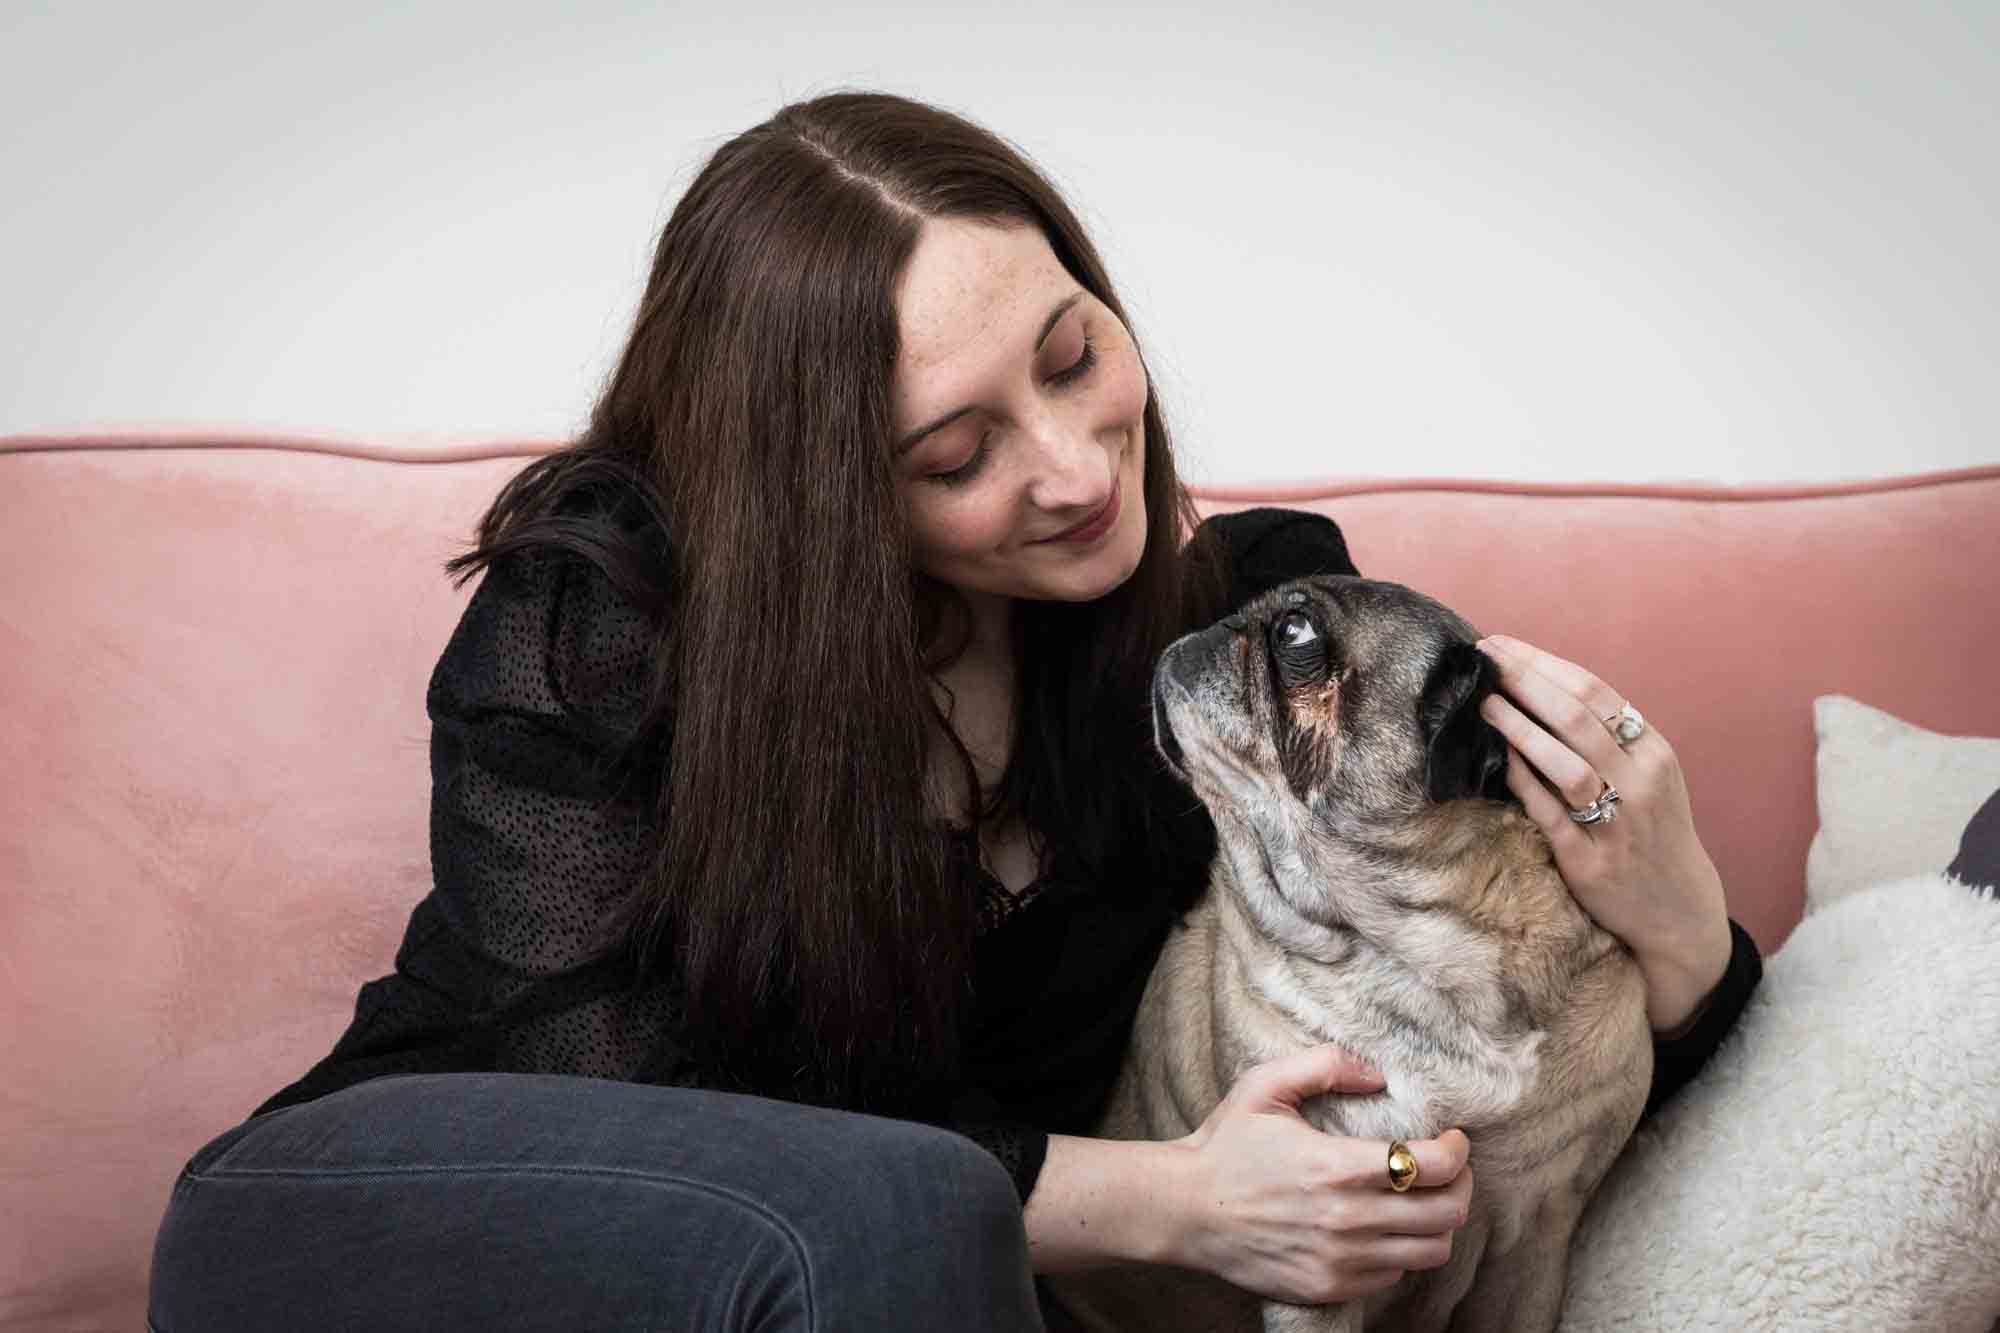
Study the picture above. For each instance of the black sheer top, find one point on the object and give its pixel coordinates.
(544, 672)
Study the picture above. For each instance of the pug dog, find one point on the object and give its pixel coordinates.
(1376, 885)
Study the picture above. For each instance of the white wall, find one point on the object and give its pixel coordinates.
(1593, 240)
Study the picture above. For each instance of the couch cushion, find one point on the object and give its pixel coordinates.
(214, 662)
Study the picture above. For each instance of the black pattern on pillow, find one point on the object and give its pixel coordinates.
(1978, 859)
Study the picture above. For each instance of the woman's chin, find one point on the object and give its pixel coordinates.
(1110, 567)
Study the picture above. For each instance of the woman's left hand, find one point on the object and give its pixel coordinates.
(1643, 875)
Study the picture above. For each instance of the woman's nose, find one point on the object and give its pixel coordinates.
(1072, 465)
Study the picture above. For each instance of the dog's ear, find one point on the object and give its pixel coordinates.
(1463, 754)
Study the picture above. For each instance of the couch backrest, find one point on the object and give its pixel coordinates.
(215, 758)
(214, 651)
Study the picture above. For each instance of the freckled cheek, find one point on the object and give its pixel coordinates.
(955, 533)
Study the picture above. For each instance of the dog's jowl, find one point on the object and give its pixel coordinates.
(1376, 885)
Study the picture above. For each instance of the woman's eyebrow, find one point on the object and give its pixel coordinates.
(909, 442)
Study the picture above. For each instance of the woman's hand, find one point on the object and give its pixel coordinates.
(1643, 876)
(1283, 1210)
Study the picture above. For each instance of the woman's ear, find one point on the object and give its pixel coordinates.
(1464, 755)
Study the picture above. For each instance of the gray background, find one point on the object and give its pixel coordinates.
(1560, 240)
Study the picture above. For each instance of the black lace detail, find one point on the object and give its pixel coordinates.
(997, 903)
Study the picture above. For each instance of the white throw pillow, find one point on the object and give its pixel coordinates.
(1894, 799)
(1836, 1164)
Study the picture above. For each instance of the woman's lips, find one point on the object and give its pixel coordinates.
(1092, 528)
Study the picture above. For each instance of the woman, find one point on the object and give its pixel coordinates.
(793, 785)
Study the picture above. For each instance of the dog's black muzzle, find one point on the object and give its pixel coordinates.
(1184, 666)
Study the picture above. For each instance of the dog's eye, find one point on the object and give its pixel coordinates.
(1297, 650)
(1294, 630)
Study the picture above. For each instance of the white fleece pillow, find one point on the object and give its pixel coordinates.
(1836, 1164)
(1894, 799)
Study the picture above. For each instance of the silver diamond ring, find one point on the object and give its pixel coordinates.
(1600, 811)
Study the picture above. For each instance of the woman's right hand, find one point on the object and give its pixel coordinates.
(1305, 1217)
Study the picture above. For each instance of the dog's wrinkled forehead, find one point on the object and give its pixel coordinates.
(1334, 670)
(1375, 625)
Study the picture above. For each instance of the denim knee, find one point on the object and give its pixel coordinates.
(927, 1233)
(967, 1182)
(538, 1200)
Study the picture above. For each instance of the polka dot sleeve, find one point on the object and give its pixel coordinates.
(499, 967)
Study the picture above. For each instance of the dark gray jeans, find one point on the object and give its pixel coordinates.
(530, 1201)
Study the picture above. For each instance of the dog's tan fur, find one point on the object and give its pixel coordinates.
(1432, 938)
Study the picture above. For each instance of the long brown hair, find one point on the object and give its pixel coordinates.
(800, 881)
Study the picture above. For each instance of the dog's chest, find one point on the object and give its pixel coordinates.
(1444, 1066)
(1405, 1110)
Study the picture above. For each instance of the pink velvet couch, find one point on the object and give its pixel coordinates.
(213, 654)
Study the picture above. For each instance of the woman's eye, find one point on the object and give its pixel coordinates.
(967, 470)
(1077, 369)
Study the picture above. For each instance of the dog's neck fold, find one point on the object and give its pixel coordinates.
(1432, 914)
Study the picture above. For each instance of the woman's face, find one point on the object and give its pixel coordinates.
(1042, 400)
